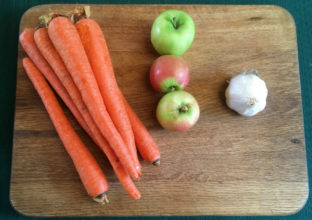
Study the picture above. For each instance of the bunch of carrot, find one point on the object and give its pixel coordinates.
(75, 60)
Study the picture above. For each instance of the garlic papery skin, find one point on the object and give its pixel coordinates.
(246, 93)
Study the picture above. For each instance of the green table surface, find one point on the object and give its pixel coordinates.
(10, 14)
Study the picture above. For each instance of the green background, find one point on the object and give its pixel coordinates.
(10, 14)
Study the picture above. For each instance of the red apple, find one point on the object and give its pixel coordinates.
(177, 111)
(169, 73)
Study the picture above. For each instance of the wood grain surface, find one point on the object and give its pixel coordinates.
(225, 165)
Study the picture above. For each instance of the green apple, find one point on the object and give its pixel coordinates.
(177, 111)
(172, 32)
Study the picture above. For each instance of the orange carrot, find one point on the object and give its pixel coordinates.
(96, 49)
(144, 141)
(120, 171)
(50, 54)
(88, 169)
(27, 41)
(66, 41)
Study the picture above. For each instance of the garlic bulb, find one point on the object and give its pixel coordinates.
(246, 93)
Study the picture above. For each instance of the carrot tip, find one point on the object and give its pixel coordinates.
(156, 162)
(138, 179)
(139, 171)
(138, 196)
(102, 199)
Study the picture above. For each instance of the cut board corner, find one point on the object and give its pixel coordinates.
(17, 208)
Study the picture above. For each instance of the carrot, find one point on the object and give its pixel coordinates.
(53, 59)
(96, 49)
(50, 54)
(120, 171)
(88, 169)
(144, 141)
(27, 41)
(66, 41)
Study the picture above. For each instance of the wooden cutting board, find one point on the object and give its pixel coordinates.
(225, 165)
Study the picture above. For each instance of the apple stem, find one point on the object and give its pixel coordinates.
(174, 22)
(184, 108)
(172, 88)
